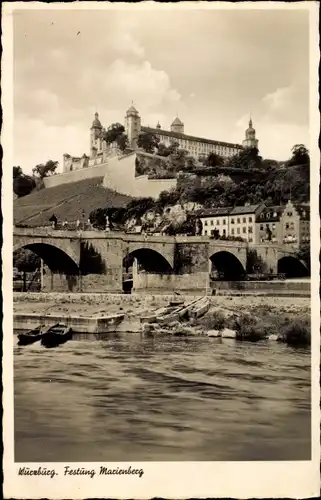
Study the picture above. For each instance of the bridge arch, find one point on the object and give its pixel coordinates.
(150, 261)
(55, 258)
(292, 267)
(227, 265)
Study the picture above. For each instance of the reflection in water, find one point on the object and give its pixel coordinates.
(130, 398)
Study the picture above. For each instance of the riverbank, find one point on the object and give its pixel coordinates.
(97, 313)
(84, 304)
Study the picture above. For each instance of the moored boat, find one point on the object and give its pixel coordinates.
(56, 335)
(200, 308)
(30, 336)
(177, 313)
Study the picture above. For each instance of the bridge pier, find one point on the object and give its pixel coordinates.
(92, 283)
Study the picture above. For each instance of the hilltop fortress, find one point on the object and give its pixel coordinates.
(118, 167)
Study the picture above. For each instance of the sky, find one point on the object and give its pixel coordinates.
(211, 67)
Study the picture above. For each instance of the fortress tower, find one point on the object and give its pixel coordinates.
(250, 140)
(177, 126)
(95, 135)
(132, 126)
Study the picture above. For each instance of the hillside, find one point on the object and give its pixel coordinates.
(66, 201)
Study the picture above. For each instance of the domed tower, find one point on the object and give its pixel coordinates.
(132, 126)
(158, 125)
(95, 134)
(250, 140)
(177, 126)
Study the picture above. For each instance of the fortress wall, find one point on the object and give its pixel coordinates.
(75, 175)
(120, 176)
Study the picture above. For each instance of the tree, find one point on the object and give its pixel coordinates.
(26, 262)
(45, 170)
(22, 184)
(304, 253)
(168, 198)
(122, 141)
(113, 132)
(17, 172)
(148, 142)
(300, 155)
(246, 159)
(214, 160)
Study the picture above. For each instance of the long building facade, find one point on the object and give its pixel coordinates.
(197, 147)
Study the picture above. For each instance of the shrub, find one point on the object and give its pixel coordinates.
(214, 321)
(248, 328)
(251, 333)
(297, 333)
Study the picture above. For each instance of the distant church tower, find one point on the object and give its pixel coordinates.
(95, 135)
(250, 140)
(177, 126)
(132, 126)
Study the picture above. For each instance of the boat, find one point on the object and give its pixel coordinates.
(30, 336)
(56, 335)
(200, 308)
(177, 313)
(151, 318)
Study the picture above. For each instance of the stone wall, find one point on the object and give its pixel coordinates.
(274, 287)
(195, 284)
(75, 175)
(92, 283)
(120, 177)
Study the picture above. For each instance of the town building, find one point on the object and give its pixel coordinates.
(287, 224)
(237, 222)
(198, 147)
(215, 219)
(242, 221)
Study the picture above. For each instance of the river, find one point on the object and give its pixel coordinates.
(129, 398)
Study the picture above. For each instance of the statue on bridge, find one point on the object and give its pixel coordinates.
(107, 224)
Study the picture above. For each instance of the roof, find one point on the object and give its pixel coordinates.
(270, 214)
(132, 109)
(248, 209)
(96, 122)
(303, 211)
(177, 121)
(213, 212)
(178, 135)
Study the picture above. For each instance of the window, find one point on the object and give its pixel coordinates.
(218, 222)
(212, 233)
(244, 220)
(232, 221)
(212, 223)
(250, 219)
(275, 214)
(232, 231)
(289, 214)
(238, 230)
(238, 220)
(224, 222)
(205, 232)
(224, 232)
(205, 223)
(250, 229)
(250, 240)
(244, 229)
(268, 215)
(261, 227)
(287, 226)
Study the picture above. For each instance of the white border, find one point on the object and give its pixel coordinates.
(161, 479)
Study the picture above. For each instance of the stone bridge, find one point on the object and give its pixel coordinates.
(93, 260)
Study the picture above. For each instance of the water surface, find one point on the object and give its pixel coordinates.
(129, 398)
